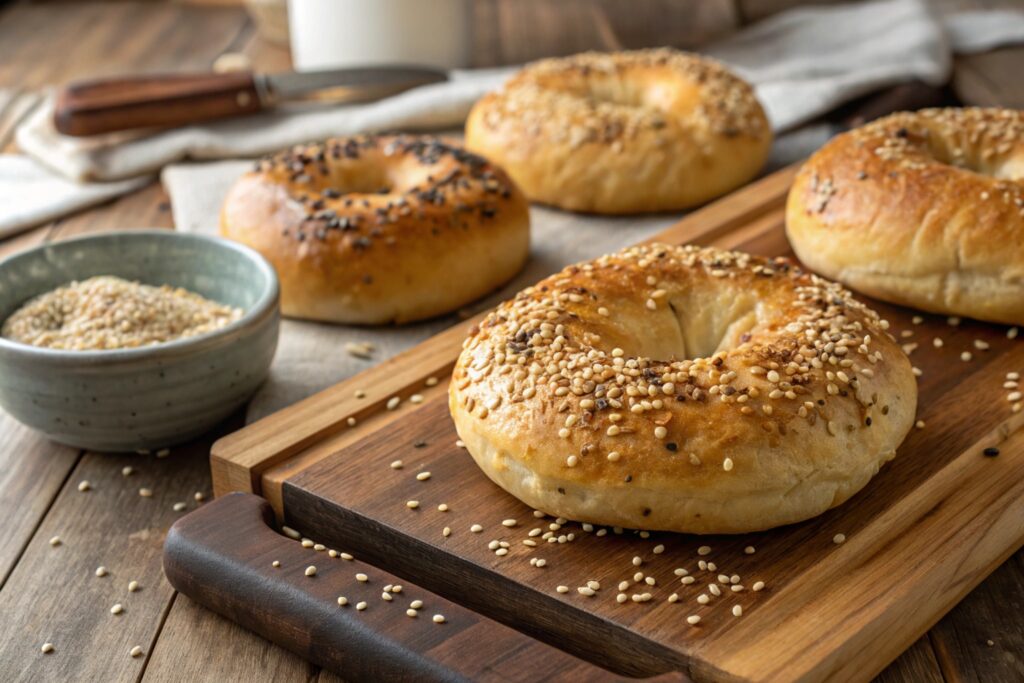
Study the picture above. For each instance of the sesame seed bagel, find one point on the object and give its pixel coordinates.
(682, 389)
(626, 132)
(375, 229)
(924, 209)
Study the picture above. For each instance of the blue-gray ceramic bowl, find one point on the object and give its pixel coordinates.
(152, 396)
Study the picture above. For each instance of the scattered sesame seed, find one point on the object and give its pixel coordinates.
(750, 550)
(397, 464)
(362, 578)
(291, 533)
(101, 571)
(84, 485)
(47, 648)
(966, 356)
(613, 456)
(307, 543)
(727, 465)
(703, 599)
(361, 606)
(758, 585)
(714, 589)
(346, 556)
(571, 461)
(423, 476)
(687, 580)
(311, 570)
(411, 613)
(737, 611)
(637, 561)
(127, 471)
(659, 549)
(660, 432)
(953, 321)
(509, 523)
(393, 402)
(1014, 396)
(919, 424)
(179, 506)
(55, 541)
(476, 528)
(275, 564)
(133, 586)
(431, 382)
(562, 589)
(438, 618)
(1012, 333)
(342, 601)
(351, 422)
(386, 597)
(117, 609)
(704, 550)
(501, 552)
(199, 496)
(693, 619)
(412, 504)
(937, 342)
(839, 538)
(135, 651)
(319, 547)
(917, 320)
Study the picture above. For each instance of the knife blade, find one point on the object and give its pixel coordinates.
(161, 101)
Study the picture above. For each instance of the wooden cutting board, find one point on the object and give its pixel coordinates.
(920, 536)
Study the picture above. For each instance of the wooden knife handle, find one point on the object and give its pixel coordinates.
(222, 555)
(106, 105)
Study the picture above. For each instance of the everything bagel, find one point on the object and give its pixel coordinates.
(924, 209)
(627, 132)
(682, 389)
(374, 229)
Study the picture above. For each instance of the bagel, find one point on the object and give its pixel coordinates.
(923, 209)
(682, 389)
(373, 229)
(626, 132)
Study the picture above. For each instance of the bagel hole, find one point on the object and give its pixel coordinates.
(687, 327)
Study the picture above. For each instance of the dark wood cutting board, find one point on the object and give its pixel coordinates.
(924, 532)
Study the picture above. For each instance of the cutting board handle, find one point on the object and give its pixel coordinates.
(221, 555)
(126, 103)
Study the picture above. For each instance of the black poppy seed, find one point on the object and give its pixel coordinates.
(672, 446)
(991, 451)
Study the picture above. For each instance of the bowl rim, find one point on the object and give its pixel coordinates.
(265, 304)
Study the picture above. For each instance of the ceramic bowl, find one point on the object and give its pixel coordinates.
(153, 396)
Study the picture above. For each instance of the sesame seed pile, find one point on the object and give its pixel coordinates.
(422, 180)
(107, 312)
(592, 91)
(813, 356)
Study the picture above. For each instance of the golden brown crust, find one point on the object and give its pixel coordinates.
(924, 209)
(682, 389)
(651, 130)
(373, 229)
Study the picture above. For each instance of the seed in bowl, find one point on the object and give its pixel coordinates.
(107, 312)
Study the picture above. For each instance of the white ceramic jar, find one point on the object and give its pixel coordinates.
(338, 33)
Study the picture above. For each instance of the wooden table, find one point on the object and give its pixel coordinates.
(50, 593)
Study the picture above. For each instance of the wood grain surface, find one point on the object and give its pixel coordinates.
(829, 611)
(45, 44)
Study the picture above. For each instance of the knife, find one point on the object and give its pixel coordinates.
(127, 103)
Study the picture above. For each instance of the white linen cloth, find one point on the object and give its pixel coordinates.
(803, 63)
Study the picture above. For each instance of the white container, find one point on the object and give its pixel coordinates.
(339, 33)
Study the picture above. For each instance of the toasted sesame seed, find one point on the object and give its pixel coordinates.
(571, 461)
(937, 342)
(361, 606)
(750, 550)
(342, 600)
(727, 465)
(1014, 396)
(966, 356)
(693, 619)
(311, 570)
(839, 538)
(416, 398)
(133, 586)
(351, 421)
(438, 619)
(423, 476)
(135, 651)
(613, 456)
(919, 424)
(275, 564)
(393, 402)
(476, 528)
(1012, 333)
(146, 493)
(47, 648)
(509, 523)
(758, 585)
(737, 611)
(199, 496)
(412, 504)
(660, 432)
(397, 464)
(431, 381)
